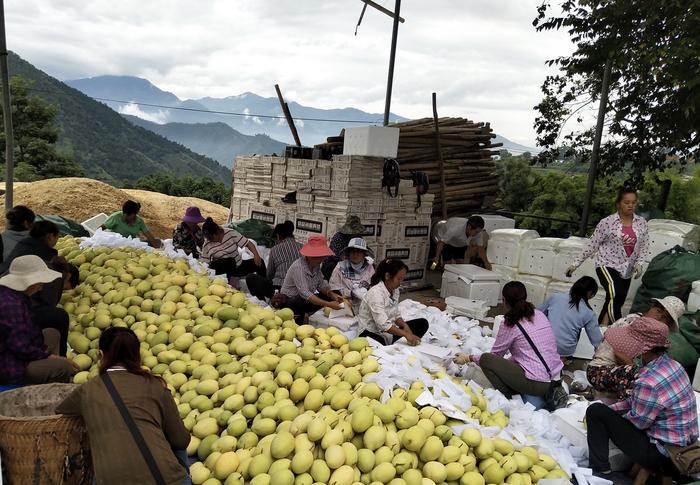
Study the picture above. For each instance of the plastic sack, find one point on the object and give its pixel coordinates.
(671, 273)
(682, 351)
(688, 326)
(66, 227)
(259, 231)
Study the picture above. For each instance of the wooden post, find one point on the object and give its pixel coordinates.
(595, 153)
(288, 116)
(7, 114)
(438, 148)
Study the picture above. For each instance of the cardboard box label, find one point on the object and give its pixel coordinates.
(414, 274)
(398, 253)
(263, 216)
(370, 230)
(310, 226)
(417, 231)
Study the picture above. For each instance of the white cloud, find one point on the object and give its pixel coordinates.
(483, 58)
(160, 116)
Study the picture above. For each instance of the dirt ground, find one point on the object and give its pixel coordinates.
(82, 198)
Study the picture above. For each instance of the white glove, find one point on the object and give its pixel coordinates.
(570, 271)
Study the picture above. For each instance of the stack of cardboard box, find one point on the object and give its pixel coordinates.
(327, 192)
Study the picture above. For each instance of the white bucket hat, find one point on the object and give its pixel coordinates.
(26, 271)
(358, 243)
(674, 306)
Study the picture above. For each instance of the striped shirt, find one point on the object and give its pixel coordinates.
(608, 243)
(282, 255)
(663, 404)
(303, 282)
(227, 248)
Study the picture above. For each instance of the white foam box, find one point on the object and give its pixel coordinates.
(557, 287)
(568, 250)
(662, 240)
(470, 282)
(584, 348)
(688, 230)
(694, 298)
(537, 256)
(371, 141)
(504, 245)
(494, 221)
(94, 223)
(536, 287)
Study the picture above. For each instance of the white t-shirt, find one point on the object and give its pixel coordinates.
(453, 232)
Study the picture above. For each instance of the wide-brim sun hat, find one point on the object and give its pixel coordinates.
(26, 271)
(643, 332)
(353, 226)
(359, 244)
(673, 305)
(193, 215)
(316, 247)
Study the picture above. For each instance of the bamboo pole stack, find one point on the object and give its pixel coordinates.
(467, 156)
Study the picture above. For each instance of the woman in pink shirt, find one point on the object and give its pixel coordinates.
(620, 242)
(525, 372)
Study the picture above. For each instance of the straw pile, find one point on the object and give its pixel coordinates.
(82, 198)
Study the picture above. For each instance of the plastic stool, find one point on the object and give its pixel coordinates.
(9, 387)
(537, 401)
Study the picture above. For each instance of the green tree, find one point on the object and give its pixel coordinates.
(515, 180)
(35, 135)
(205, 188)
(654, 106)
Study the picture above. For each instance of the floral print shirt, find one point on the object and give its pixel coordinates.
(608, 242)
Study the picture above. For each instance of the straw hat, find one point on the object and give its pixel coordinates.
(316, 247)
(26, 271)
(674, 306)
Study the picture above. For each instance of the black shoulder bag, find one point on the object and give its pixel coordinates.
(556, 396)
(133, 429)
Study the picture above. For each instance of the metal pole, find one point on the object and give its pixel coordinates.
(392, 58)
(595, 154)
(438, 147)
(6, 112)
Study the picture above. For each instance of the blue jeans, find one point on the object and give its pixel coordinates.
(182, 457)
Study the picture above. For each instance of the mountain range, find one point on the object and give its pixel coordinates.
(104, 143)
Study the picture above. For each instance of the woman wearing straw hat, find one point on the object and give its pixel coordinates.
(613, 368)
(661, 409)
(352, 228)
(188, 235)
(353, 275)
(28, 354)
(304, 290)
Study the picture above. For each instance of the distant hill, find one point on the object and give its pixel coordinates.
(106, 145)
(216, 140)
(129, 88)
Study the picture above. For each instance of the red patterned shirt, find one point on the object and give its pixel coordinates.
(663, 404)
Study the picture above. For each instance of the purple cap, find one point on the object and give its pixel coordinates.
(193, 215)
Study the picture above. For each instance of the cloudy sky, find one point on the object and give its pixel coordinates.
(482, 57)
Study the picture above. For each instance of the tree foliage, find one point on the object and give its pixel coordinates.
(559, 195)
(35, 135)
(205, 188)
(653, 112)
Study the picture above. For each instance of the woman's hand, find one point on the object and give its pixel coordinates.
(411, 339)
(335, 305)
(462, 359)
